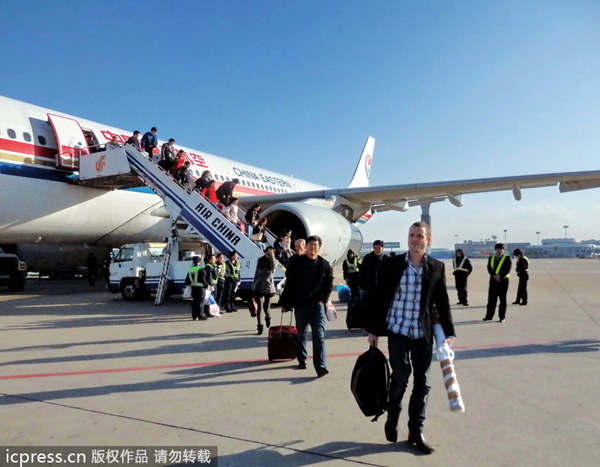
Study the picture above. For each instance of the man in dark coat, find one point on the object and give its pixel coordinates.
(92, 267)
(225, 191)
(150, 141)
(308, 285)
(410, 296)
(134, 139)
(522, 269)
(370, 268)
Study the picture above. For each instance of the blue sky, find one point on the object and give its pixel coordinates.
(450, 90)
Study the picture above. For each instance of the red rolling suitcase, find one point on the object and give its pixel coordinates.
(282, 341)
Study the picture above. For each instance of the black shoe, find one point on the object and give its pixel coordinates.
(302, 365)
(228, 311)
(459, 303)
(516, 303)
(322, 372)
(234, 309)
(501, 320)
(419, 442)
(259, 329)
(194, 318)
(202, 318)
(391, 429)
(268, 321)
(523, 304)
(466, 304)
(487, 319)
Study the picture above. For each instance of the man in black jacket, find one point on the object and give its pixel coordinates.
(225, 191)
(370, 268)
(149, 142)
(522, 269)
(307, 290)
(409, 297)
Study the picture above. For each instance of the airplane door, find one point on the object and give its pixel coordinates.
(70, 140)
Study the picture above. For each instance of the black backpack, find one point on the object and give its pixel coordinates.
(370, 383)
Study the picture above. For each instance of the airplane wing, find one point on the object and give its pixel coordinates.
(401, 197)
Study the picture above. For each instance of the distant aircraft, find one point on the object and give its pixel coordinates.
(43, 209)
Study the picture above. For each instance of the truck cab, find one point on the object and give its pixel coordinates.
(136, 269)
(13, 271)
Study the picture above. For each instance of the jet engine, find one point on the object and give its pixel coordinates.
(338, 234)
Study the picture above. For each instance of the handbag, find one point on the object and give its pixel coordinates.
(330, 312)
(253, 307)
(187, 292)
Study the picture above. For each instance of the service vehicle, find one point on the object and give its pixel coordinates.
(13, 271)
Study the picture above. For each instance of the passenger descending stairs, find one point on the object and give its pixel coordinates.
(202, 216)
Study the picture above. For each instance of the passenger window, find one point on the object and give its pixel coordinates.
(27, 137)
(12, 134)
(42, 140)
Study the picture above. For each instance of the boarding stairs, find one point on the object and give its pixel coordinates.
(163, 280)
(186, 209)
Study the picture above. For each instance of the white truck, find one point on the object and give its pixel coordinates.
(136, 269)
(13, 271)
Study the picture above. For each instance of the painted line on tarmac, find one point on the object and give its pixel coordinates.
(196, 365)
(204, 432)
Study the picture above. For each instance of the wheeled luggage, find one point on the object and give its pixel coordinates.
(354, 318)
(282, 341)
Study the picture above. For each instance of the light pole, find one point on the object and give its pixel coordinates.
(538, 235)
(505, 246)
(455, 239)
(565, 227)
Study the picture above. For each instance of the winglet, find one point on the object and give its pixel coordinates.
(363, 169)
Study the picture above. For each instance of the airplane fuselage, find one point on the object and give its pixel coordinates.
(40, 206)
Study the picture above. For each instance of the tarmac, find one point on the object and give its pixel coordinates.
(81, 367)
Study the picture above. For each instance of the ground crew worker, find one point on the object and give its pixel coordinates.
(462, 269)
(232, 277)
(370, 267)
(92, 267)
(498, 267)
(351, 268)
(522, 269)
(212, 277)
(221, 272)
(196, 279)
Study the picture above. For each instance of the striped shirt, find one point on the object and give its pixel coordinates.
(403, 315)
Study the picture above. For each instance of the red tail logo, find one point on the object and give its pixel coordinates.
(100, 163)
(368, 164)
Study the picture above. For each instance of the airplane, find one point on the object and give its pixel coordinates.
(48, 218)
